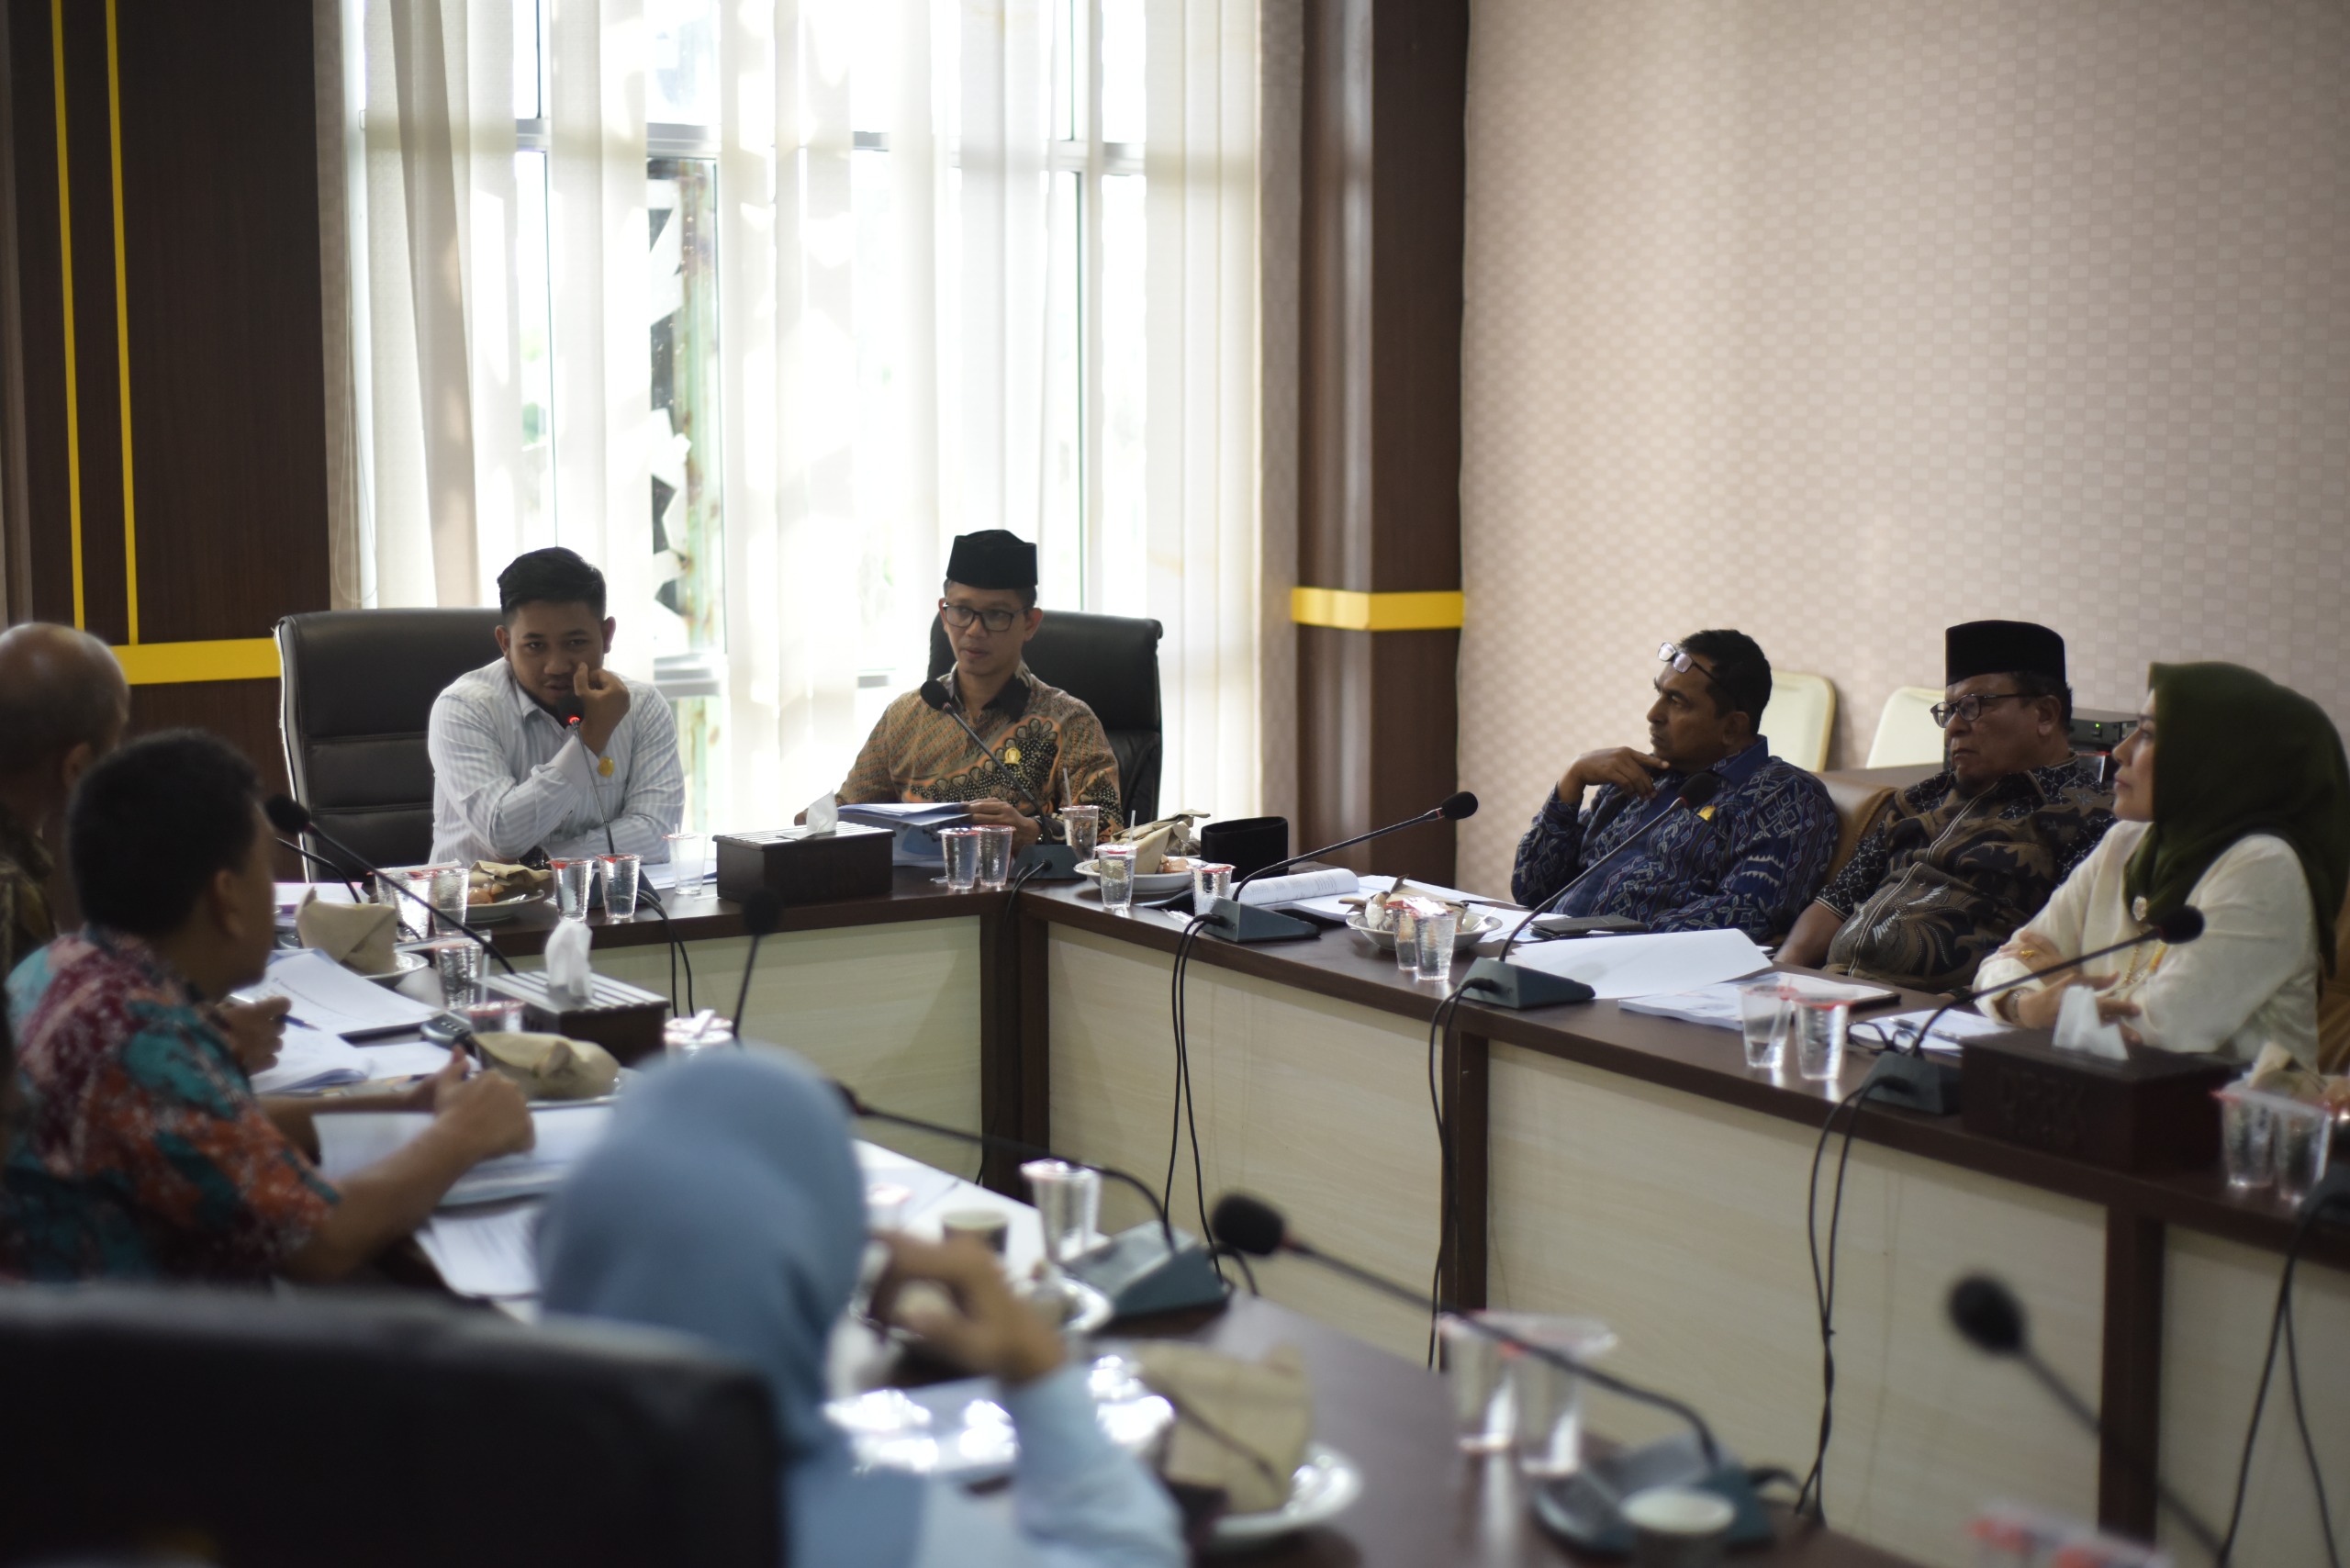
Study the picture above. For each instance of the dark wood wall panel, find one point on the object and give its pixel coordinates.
(221, 186)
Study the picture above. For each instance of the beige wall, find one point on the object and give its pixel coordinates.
(1838, 320)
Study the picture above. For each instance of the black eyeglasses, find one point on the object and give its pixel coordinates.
(1970, 708)
(960, 617)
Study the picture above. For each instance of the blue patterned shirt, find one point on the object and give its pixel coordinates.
(1752, 859)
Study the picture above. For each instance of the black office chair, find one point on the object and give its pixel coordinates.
(1110, 663)
(359, 686)
(254, 1431)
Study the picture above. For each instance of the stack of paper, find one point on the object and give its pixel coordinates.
(1617, 967)
(489, 1252)
(1958, 1025)
(311, 1059)
(1718, 1004)
(353, 1140)
(1297, 885)
(329, 999)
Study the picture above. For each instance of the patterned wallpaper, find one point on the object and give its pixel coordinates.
(1839, 320)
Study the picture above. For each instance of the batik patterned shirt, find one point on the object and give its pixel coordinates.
(1751, 859)
(25, 868)
(1940, 879)
(137, 1149)
(917, 753)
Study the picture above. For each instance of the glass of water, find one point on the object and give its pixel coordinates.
(1816, 1030)
(458, 963)
(391, 888)
(960, 848)
(689, 859)
(1432, 939)
(450, 886)
(1210, 881)
(995, 857)
(1081, 825)
(623, 875)
(574, 882)
(1484, 1415)
(1115, 862)
(1763, 1009)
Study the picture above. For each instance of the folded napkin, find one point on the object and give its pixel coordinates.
(1241, 1426)
(550, 1067)
(359, 936)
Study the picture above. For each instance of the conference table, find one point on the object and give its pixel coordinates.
(1606, 1163)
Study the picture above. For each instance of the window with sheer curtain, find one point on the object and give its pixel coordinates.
(757, 305)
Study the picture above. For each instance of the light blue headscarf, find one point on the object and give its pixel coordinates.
(726, 1203)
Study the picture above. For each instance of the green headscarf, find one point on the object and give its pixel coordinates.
(2236, 753)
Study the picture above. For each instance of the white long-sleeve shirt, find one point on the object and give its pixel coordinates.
(2249, 980)
(507, 776)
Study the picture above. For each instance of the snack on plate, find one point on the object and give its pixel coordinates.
(494, 881)
(1379, 909)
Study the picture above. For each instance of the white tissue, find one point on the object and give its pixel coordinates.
(823, 814)
(569, 979)
(2078, 1029)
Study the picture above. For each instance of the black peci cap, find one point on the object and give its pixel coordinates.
(992, 558)
(2002, 647)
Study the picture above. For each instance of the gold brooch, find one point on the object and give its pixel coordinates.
(604, 766)
(1012, 754)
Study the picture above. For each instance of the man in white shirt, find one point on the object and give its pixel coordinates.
(544, 748)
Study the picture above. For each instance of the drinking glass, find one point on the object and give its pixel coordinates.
(1763, 1009)
(1115, 862)
(689, 859)
(2302, 1140)
(704, 1031)
(458, 963)
(961, 847)
(995, 857)
(623, 875)
(1548, 1397)
(1210, 881)
(1817, 1029)
(1083, 827)
(1406, 926)
(574, 880)
(1432, 939)
(499, 1015)
(450, 885)
(412, 921)
(2247, 1142)
(1069, 1203)
(1485, 1413)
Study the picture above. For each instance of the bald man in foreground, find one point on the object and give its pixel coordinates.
(63, 704)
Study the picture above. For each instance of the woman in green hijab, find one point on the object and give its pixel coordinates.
(2234, 796)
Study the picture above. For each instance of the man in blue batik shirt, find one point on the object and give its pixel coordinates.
(1753, 858)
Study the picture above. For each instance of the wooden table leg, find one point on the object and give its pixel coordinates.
(1465, 1076)
(2130, 1400)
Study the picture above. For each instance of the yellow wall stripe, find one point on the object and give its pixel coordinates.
(163, 664)
(122, 328)
(65, 250)
(1351, 611)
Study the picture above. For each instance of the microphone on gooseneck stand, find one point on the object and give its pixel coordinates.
(1497, 983)
(1150, 1268)
(762, 913)
(1236, 922)
(288, 815)
(1584, 1507)
(1909, 1077)
(1987, 1315)
(1042, 861)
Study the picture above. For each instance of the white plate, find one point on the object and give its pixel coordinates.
(503, 909)
(403, 965)
(1325, 1484)
(1474, 926)
(1159, 884)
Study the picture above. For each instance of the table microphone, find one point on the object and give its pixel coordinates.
(1052, 862)
(1499, 983)
(289, 815)
(1584, 1507)
(1913, 1079)
(1151, 1267)
(1986, 1312)
(1236, 922)
(762, 913)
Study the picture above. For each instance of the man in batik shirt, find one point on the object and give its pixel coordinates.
(1953, 867)
(1049, 740)
(1749, 860)
(138, 1149)
(63, 704)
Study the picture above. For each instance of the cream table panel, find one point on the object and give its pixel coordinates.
(1680, 1221)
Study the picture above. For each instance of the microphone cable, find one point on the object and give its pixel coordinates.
(2280, 1325)
(1186, 1107)
(1447, 1236)
(648, 895)
(1813, 1493)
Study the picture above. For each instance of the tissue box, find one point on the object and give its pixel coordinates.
(850, 862)
(2153, 1112)
(625, 1019)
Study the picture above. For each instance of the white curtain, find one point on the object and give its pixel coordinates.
(948, 265)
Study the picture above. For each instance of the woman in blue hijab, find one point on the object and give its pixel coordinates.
(727, 1203)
